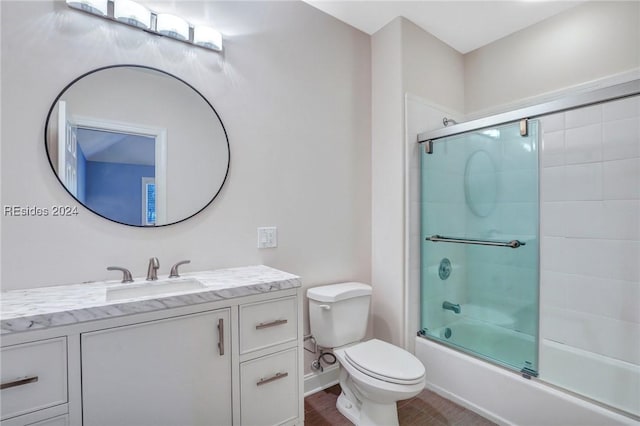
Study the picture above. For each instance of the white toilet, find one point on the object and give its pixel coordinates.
(374, 374)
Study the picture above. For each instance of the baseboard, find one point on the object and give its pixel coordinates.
(315, 382)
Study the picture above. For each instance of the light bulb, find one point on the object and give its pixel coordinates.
(172, 26)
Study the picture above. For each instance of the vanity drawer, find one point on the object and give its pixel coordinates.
(269, 323)
(269, 389)
(34, 376)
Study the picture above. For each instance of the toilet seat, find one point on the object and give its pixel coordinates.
(384, 361)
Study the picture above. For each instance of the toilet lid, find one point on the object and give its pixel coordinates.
(385, 361)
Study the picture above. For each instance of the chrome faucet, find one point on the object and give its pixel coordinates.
(174, 268)
(152, 271)
(126, 275)
(455, 307)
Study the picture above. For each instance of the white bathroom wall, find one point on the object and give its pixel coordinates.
(293, 89)
(590, 246)
(594, 40)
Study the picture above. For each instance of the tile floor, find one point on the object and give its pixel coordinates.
(426, 409)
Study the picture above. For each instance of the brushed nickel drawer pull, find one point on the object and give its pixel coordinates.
(19, 382)
(278, 376)
(271, 324)
(221, 336)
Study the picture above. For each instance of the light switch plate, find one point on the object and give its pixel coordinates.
(267, 237)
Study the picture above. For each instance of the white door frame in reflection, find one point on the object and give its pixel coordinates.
(160, 136)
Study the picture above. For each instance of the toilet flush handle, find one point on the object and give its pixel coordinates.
(327, 307)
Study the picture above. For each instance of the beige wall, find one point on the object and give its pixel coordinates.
(293, 89)
(431, 69)
(583, 44)
(386, 208)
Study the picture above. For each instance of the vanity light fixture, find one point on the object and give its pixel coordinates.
(134, 14)
(97, 7)
(207, 37)
(172, 26)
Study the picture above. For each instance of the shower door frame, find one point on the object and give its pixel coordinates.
(612, 93)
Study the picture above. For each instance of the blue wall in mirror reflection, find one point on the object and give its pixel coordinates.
(115, 190)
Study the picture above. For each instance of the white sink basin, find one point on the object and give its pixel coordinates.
(132, 291)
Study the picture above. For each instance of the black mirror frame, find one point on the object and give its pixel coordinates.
(55, 102)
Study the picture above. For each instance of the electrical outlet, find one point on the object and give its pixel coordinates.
(267, 237)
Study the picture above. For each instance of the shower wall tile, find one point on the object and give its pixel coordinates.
(621, 139)
(553, 184)
(583, 116)
(519, 219)
(583, 182)
(552, 123)
(444, 218)
(611, 219)
(624, 108)
(622, 179)
(553, 289)
(443, 187)
(521, 186)
(516, 154)
(621, 220)
(610, 259)
(553, 218)
(609, 298)
(552, 153)
(584, 144)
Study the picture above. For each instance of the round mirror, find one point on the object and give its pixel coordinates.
(480, 183)
(137, 145)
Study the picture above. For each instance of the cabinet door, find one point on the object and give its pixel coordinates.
(170, 372)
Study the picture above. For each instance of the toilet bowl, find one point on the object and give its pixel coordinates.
(374, 374)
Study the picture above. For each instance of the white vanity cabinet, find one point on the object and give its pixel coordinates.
(175, 371)
(229, 355)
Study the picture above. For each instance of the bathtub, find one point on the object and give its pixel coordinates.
(502, 395)
(490, 341)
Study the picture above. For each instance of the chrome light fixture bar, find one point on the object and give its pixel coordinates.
(136, 15)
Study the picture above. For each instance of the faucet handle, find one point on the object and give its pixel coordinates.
(174, 268)
(126, 275)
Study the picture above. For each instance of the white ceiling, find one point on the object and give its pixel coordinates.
(463, 25)
(113, 147)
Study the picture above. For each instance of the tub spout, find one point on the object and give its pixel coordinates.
(455, 307)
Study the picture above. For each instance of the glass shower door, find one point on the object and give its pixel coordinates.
(479, 222)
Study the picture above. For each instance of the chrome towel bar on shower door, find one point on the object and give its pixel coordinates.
(439, 238)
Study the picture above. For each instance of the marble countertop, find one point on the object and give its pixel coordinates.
(43, 307)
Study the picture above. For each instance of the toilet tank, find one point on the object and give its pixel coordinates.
(338, 313)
